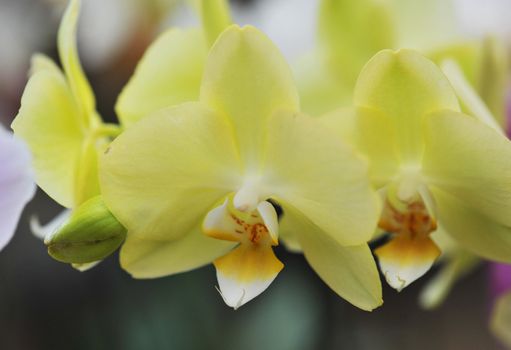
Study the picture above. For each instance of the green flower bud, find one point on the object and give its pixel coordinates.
(91, 234)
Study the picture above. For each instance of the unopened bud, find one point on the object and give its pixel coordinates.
(92, 233)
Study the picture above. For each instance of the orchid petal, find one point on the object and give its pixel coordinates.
(483, 64)
(350, 41)
(466, 54)
(404, 86)
(168, 74)
(40, 62)
(493, 79)
(16, 184)
(320, 90)
(370, 132)
(343, 123)
(68, 53)
(412, 17)
(87, 181)
(146, 258)
(350, 271)
(473, 230)
(246, 79)
(471, 102)
(49, 121)
(215, 18)
(162, 177)
(310, 169)
(470, 161)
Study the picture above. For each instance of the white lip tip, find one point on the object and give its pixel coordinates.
(400, 285)
(234, 306)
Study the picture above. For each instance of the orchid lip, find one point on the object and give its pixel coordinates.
(248, 269)
(411, 252)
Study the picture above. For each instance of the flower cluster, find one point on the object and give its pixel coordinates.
(216, 160)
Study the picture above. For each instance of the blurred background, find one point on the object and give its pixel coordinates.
(48, 305)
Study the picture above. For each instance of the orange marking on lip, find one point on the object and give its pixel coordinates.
(253, 231)
(257, 232)
(414, 222)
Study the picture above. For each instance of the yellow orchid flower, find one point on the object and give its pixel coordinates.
(327, 75)
(435, 167)
(199, 182)
(59, 122)
(66, 134)
(157, 83)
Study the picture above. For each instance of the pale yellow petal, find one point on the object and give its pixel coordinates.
(145, 258)
(352, 32)
(493, 77)
(40, 62)
(425, 24)
(470, 101)
(371, 133)
(467, 54)
(309, 168)
(471, 162)
(215, 17)
(68, 53)
(473, 230)
(168, 74)
(162, 177)
(404, 86)
(320, 89)
(87, 181)
(49, 121)
(350, 271)
(246, 79)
